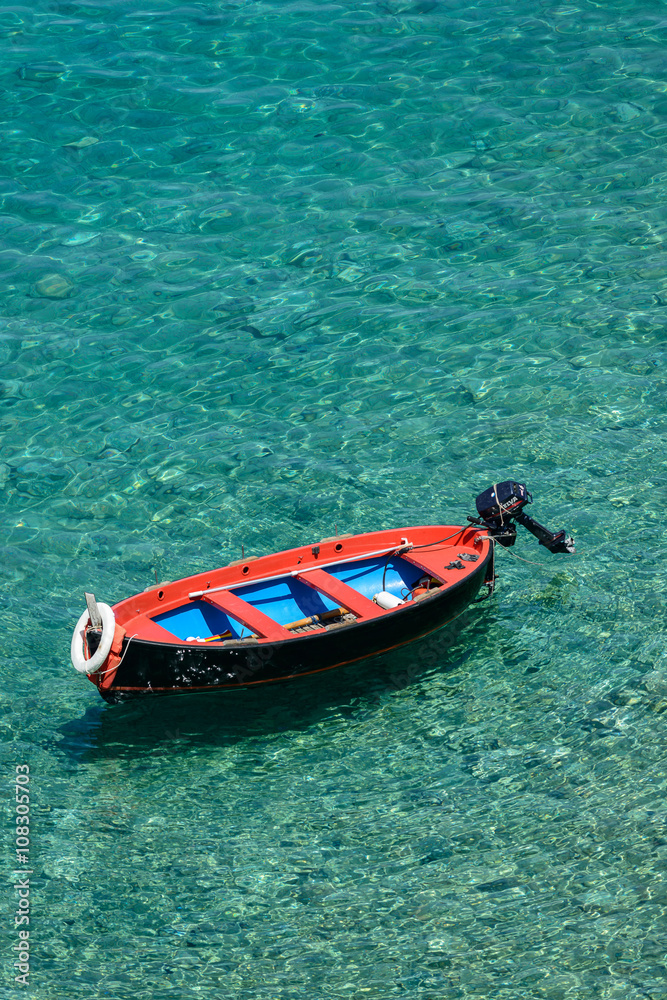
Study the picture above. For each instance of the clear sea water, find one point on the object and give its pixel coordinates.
(275, 268)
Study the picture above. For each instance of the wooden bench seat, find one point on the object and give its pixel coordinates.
(339, 592)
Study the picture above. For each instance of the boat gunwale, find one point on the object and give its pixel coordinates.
(250, 642)
(477, 541)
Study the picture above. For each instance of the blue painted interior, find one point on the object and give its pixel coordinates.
(198, 618)
(366, 575)
(287, 599)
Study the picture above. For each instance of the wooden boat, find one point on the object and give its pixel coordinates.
(285, 615)
(295, 612)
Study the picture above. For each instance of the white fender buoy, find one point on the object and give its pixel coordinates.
(79, 661)
(387, 601)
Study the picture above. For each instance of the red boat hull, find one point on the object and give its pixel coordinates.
(147, 657)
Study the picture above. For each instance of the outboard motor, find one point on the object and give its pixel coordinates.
(502, 504)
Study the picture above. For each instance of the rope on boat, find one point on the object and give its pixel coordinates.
(101, 673)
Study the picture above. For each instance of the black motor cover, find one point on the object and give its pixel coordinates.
(501, 501)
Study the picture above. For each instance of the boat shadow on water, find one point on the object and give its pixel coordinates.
(174, 723)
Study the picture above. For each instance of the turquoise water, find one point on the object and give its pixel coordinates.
(271, 269)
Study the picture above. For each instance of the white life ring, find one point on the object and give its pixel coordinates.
(79, 661)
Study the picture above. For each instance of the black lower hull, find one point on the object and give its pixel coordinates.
(155, 668)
